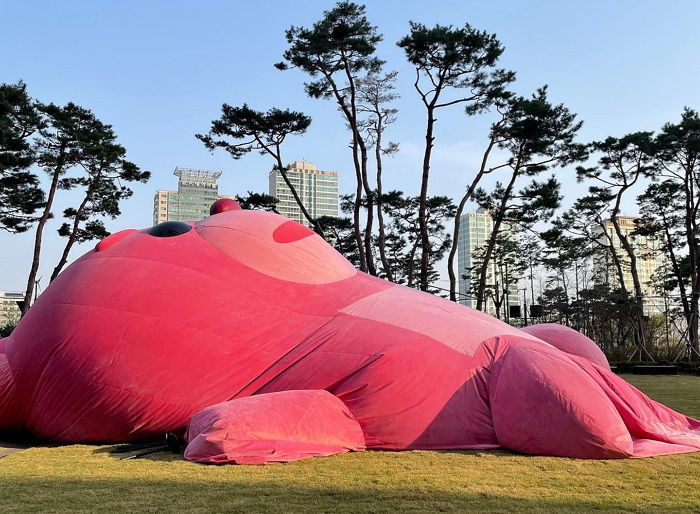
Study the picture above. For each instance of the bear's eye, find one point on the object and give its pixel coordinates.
(169, 229)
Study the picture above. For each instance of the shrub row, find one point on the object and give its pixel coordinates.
(628, 366)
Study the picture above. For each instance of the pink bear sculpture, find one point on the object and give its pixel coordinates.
(152, 326)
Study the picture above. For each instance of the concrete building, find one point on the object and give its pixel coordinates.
(648, 255)
(196, 191)
(9, 308)
(474, 230)
(317, 189)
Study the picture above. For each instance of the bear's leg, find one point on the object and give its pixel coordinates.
(546, 402)
(273, 427)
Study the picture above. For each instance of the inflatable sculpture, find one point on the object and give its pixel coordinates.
(255, 336)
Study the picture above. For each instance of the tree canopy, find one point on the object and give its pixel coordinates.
(20, 192)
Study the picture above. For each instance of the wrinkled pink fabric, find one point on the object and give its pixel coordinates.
(547, 402)
(273, 427)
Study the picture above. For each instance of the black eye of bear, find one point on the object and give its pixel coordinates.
(169, 229)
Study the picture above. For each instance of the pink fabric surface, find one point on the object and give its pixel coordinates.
(139, 335)
(274, 427)
(570, 341)
(8, 414)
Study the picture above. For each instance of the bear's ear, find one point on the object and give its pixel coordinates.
(113, 239)
(291, 231)
(223, 205)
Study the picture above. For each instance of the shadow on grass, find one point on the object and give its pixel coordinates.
(17, 442)
(167, 455)
(161, 455)
(89, 479)
(38, 494)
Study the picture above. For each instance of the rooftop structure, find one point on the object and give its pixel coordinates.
(197, 176)
(196, 191)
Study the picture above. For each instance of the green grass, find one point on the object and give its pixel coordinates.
(87, 478)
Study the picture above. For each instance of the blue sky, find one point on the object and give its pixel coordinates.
(158, 71)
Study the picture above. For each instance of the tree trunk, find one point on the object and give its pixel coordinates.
(460, 208)
(677, 272)
(638, 304)
(693, 325)
(356, 208)
(691, 230)
(371, 268)
(72, 236)
(283, 171)
(381, 243)
(694, 257)
(358, 141)
(627, 247)
(410, 276)
(564, 285)
(423, 198)
(352, 121)
(492, 239)
(38, 237)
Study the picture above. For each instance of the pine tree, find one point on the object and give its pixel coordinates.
(335, 52)
(241, 130)
(450, 59)
(20, 193)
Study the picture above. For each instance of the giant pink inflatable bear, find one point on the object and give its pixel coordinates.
(152, 326)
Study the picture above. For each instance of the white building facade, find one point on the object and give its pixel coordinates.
(9, 308)
(647, 253)
(317, 189)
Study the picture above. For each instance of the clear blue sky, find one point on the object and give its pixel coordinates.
(158, 71)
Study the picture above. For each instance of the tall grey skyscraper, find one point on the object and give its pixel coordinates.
(196, 191)
(474, 230)
(317, 189)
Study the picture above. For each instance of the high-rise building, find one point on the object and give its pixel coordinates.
(474, 230)
(196, 191)
(647, 252)
(9, 308)
(317, 189)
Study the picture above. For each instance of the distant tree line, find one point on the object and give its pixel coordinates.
(663, 170)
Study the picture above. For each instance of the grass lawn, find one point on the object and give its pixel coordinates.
(88, 478)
